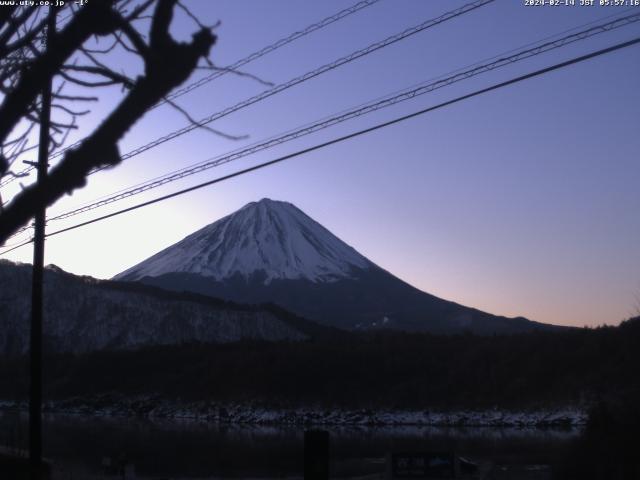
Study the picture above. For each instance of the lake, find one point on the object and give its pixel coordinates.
(79, 446)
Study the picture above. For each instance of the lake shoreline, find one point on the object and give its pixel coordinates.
(252, 414)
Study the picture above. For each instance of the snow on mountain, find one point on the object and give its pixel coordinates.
(272, 238)
(271, 252)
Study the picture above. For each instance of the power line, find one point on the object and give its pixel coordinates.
(359, 111)
(439, 77)
(295, 81)
(17, 246)
(379, 126)
(236, 65)
(311, 74)
(513, 50)
(460, 74)
(274, 46)
(8, 245)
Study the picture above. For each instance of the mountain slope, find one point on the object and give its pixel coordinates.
(270, 251)
(274, 238)
(84, 314)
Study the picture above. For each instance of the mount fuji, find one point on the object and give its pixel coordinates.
(271, 239)
(270, 251)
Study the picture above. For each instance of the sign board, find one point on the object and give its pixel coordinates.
(423, 465)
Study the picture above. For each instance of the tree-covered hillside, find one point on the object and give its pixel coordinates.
(390, 369)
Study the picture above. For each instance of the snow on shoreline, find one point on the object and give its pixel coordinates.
(236, 413)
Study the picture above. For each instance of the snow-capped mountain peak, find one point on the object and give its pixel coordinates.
(271, 252)
(270, 238)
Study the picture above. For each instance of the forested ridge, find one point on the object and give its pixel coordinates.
(376, 369)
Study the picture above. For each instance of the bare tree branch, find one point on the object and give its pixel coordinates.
(198, 124)
(167, 64)
(96, 17)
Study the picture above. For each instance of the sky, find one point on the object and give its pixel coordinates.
(519, 202)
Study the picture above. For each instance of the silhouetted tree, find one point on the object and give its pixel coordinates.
(76, 57)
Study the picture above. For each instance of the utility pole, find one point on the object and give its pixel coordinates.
(35, 364)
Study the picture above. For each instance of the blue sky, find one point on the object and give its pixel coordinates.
(520, 202)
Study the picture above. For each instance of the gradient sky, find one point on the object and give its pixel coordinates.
(520, 202)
